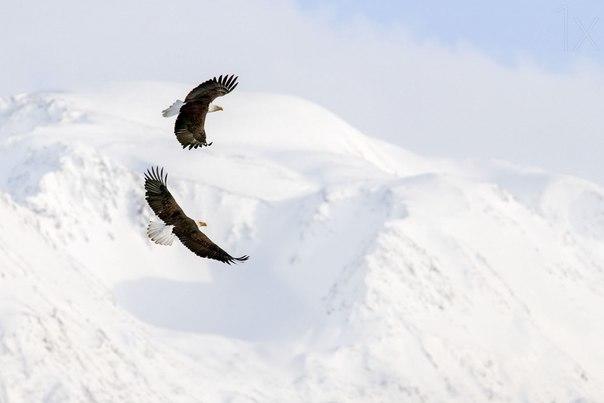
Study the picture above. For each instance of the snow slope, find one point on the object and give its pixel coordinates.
(375, 275)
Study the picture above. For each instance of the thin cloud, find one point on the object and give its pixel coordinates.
(427, 97)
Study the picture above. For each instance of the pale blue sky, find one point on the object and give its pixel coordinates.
(553, 34)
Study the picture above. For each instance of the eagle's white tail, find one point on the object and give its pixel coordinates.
(160, 233)
(173, 109)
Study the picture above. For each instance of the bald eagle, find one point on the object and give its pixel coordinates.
(175, 223)
(189, 127)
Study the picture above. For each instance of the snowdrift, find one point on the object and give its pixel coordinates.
(375, 275)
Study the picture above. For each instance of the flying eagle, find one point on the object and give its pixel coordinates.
(175, 223)
(189, 127)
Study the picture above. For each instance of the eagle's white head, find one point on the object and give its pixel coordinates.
(201, 224)
(214, 108)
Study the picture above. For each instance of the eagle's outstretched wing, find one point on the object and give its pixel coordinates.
(189, 127)
(198, 243)
(212, 89)
(159, 198)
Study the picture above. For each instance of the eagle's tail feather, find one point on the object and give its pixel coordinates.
(160, 233)
(173, 109)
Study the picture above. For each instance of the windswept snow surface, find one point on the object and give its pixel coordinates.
(375, 275)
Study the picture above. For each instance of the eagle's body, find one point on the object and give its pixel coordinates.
(175, 223)
(190, 123)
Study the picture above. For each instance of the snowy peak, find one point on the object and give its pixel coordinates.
(375, 274)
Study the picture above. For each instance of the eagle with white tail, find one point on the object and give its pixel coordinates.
(189, 127)
(176, 224)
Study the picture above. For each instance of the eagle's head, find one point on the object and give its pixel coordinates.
(201, 224)
(214, 108)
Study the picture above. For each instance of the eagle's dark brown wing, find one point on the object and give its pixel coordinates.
(212, 89)
(198, 243)
(159, 198)
(189, 127)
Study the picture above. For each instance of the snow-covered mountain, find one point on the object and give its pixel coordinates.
(375, 275)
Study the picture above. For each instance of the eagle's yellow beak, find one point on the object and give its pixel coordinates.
(201, 224)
